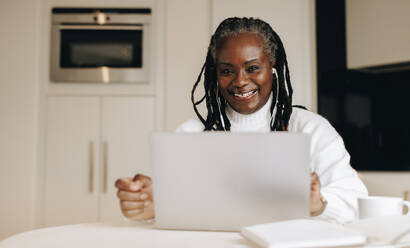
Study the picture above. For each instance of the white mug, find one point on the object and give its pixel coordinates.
(378, 206)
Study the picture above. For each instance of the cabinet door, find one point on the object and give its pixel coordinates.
(71, 174)
(127, 123)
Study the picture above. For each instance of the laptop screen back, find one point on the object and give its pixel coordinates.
(224, 181)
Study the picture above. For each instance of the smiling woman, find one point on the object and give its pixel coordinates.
(248, 89)
(244, 72)
(245, 51)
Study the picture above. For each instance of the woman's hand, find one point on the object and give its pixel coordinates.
(135, 196)
(316, 204)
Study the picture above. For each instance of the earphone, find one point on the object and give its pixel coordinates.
(277, 89)
(275, 72)
(219, 105)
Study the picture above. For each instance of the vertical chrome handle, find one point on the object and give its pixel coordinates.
(91, 167)
(105, 187)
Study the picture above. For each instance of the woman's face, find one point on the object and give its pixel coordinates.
(244, 72)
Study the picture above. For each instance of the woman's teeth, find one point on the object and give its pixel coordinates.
(245, 94)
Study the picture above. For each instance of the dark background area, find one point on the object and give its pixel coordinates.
(367, 106)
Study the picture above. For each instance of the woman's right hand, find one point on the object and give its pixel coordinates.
(135, 196)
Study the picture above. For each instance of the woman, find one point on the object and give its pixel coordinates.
(248, 89)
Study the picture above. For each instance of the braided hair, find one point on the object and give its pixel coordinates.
(216, 118)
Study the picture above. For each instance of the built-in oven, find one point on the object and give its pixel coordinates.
(104, 45)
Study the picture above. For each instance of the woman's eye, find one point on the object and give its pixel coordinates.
(253, 68)
(225, 71)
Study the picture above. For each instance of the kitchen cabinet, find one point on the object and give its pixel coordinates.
(92, 141)
(126, 127)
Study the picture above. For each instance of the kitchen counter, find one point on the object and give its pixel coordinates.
(122, 234)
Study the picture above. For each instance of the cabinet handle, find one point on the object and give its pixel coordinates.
(406, 198)
(91, 172)
(105, 188)
(406, 195)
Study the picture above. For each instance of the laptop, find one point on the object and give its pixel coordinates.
(221, 181)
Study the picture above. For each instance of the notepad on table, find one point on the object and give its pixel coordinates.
(302, 233)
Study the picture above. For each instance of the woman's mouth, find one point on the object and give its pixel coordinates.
(243, 96)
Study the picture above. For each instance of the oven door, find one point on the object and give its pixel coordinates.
(102, 54)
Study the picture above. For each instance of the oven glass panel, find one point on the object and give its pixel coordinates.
(96, 48)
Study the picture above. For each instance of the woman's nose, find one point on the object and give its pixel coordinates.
(240, 80)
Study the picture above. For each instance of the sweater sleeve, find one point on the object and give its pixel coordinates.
(340, 183)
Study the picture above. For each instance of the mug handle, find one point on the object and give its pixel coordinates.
(407, 203)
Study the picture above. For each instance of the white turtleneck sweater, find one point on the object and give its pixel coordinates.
(340, 184)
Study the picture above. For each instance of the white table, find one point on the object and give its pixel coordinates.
(124, 234)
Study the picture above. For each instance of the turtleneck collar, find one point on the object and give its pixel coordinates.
(257, 121)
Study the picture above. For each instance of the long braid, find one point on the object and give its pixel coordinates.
(212, 121)
(284, 105)
(193, 97)
(273, 45)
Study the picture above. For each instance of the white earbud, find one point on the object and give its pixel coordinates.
(275, 72)
(219, 106)
(277, 90)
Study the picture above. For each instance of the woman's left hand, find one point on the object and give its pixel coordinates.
(315, 203)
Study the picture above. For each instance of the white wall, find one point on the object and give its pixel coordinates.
(377, 32)
(18, 112)
(187, 38)
(395, 184)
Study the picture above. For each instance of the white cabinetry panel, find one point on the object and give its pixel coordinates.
(71, 188)
(109, 133)
(127, 123)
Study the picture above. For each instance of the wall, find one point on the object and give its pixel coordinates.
(187, 38)
(18, 112)
(395, 184)
(377, 32)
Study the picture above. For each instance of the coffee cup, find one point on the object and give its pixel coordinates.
(378, 206)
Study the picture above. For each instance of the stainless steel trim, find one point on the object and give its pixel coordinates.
(110, 18)
(99, 27)
(105, 187)
(91, 167)
(98, 75)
